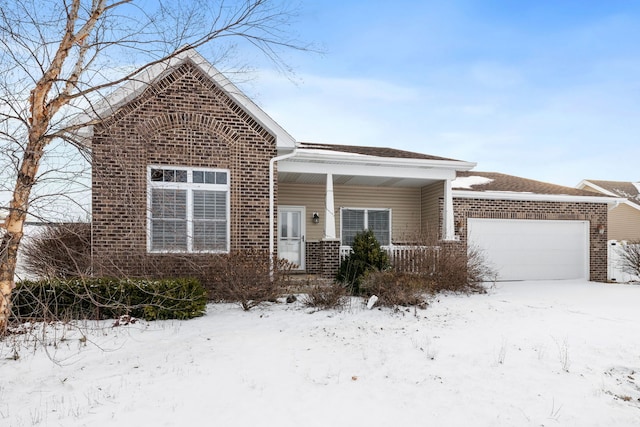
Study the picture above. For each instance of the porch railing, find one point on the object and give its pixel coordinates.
(408, 258)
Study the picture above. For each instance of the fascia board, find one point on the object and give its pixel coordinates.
(508, 195)
(324, 156)
(355, 169)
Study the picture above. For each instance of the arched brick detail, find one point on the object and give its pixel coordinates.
(190, 120)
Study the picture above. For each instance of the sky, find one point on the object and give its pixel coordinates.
(547, 90)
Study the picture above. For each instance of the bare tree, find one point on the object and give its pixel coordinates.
(59, 57)
(630, 258)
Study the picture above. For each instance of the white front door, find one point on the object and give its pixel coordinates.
(291, 234)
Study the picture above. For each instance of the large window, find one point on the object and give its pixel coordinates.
(354, 221)
(188, 210)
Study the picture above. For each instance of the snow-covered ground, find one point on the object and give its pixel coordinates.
(525, 354)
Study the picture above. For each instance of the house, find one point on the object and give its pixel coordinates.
(624, 218)
(186, 167)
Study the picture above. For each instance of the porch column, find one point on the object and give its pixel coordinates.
(448, 230)
(329, 210)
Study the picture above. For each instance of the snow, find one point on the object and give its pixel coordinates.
(469, 181)
(554, 353)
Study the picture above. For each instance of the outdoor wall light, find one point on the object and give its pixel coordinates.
(601, 229)
(459, 227)
(316, 218)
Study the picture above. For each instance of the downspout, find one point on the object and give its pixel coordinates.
(272, 163)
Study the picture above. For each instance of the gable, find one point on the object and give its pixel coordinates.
(154, 79)
(186, 98)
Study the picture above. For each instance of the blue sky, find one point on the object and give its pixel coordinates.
(548, 90)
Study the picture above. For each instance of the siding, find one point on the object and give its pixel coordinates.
(404, 204)
(624, 223)
(431, 195)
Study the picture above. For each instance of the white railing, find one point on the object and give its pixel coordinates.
(410, 258)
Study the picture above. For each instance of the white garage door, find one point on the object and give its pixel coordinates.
(533, 249)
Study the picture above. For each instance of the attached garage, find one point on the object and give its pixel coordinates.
(532, 230)
(521, 249)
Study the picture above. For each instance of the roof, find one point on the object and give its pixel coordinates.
(475, 184)
(371, 151)
(626, 189)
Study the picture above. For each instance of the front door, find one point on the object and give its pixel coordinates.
(291, 235)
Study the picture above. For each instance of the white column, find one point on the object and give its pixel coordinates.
(329, 210)
(448, 229)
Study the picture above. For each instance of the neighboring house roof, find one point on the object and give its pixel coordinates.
(136, 85)
(629, 190)
(493, 185)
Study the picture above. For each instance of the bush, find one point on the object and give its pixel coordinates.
(451, 269)
(366, 255)
(104, 298)
(630, 258)
(394, 288)
(59, 251)
(325, 296)
(246, 277)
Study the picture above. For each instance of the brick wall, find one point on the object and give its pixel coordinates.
(323, 258)
(595, 213)
(182, 120)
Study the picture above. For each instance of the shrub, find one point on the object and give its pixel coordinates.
(325, 296)
(248, 277)
(104, 298)
(59, 251)
(394, 288)
(440, 268)
(366, 255)
(630, 258)
(457, 271)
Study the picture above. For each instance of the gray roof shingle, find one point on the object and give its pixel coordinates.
(371, 151)
(503, 182)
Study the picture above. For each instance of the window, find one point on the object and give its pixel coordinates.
(188, 210)
(354, 221)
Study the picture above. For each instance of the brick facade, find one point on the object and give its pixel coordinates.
(323, 258)
(183, 119)
(595, 213)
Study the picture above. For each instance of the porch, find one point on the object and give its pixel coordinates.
(325, 196)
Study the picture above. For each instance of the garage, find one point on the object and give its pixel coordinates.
(520, 249)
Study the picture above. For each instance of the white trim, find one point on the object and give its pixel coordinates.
(370, 168)
(509, 195)
(448, 232)
(328, 156)
(329, 210)
(188, 186)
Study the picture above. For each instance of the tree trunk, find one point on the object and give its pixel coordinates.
(14, 223)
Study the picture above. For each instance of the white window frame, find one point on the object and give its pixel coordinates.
(366, 222)
(189, 186)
